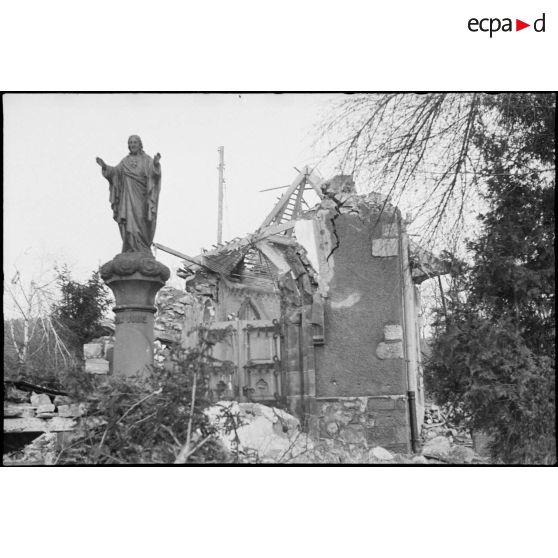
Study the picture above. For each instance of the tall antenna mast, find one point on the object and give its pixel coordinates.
(221, 168)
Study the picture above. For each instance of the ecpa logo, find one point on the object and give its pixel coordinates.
(492, 25)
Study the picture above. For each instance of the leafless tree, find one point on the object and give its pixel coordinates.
(31, 333)
(419, 150)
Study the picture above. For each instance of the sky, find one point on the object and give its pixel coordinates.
(56, 202)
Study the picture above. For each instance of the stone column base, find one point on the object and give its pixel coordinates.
(134, 278)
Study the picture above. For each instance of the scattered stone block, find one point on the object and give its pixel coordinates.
(64, 411)
(28, 412)
(380, 453)
(41, 451)
(420, 460)
(385, 247)
(55, 424)
(266, 432)
(97, 366)
(62, 400)
(45, 408)
(74, 410)
(93, 350)
(434, 432)
(438, 448)
(393, 332)
(462, 454)
(389, 350)
(13, 411)
(38, 399)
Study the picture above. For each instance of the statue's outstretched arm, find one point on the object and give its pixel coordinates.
(107, 170)
(156, 166)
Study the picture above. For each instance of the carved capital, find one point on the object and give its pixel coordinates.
(131, 263)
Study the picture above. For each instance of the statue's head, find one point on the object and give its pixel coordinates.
(134, 144)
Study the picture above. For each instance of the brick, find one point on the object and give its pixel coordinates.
(38, 425)
(389, 350)
(93, 350)
(385, 247)
(381, 403)
(380, 435)
(353, 434)
(17, 411)
(384, 433)
(392, 418)
(97, 366)
(62, 400)
(386, 420)
(45, 408)
(40, 399)
(393, 332)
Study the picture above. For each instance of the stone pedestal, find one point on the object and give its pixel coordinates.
(134, 278)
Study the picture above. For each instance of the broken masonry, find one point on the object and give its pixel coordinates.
(317, 312)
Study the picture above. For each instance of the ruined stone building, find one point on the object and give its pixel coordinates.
(318, 312)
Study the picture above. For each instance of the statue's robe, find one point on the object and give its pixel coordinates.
(134, 196)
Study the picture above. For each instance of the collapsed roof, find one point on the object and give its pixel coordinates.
(274, 250)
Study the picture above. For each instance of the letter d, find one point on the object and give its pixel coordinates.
(541, 30)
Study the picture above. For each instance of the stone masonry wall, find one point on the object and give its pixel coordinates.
(363, 349)
(361, 377)
(367, 421)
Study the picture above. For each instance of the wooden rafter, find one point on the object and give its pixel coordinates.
(277, 227)
(289, 206)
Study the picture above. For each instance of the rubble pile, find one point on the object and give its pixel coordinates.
(445, 441)
(48, 416)
(169, 320)
(255, 433)
(29, 405)
(249, 432)
(432, 415)
(175, 308)
(43, 450)
(438, 421)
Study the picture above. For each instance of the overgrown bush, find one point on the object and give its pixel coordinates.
(77, 315)
(45, 354)
(494, 351)
(47, 327)
(505, 389)
(157, 419)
